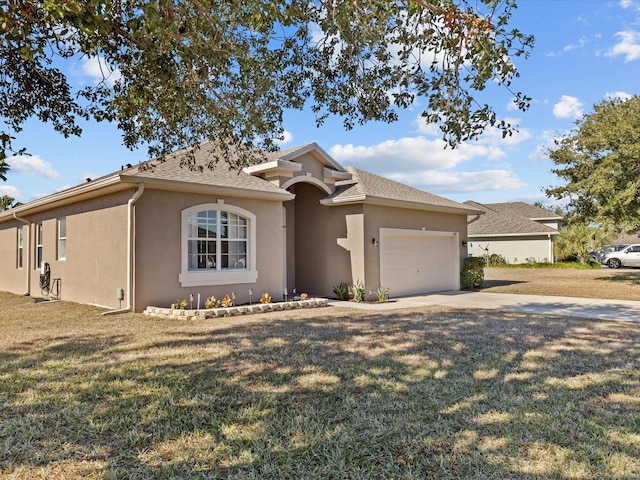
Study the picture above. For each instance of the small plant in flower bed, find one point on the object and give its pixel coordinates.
(358, 291)
(181, 304)
(265, 298)
(226, 302)
(304, 296)
(211, 302)
(341, 291)
(383, 294)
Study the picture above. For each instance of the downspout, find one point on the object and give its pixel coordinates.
(552, 259)
(130, 252)
(28, 224)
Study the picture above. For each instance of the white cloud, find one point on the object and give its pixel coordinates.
(426, 163)
(629, 4)
(287, 137)
(98, 70)
(461, 182)
(426, 128)
(540, 153)
(572, 46)
(10, 191)
(629, 46)
(32, 165)
(409, 153)
(568, 107)
(491, 135)
(618, 95)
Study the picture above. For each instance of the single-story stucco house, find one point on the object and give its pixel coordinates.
(517, 231)
(141, 237)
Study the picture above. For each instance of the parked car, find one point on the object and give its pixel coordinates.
(599, 254)
(627, 256)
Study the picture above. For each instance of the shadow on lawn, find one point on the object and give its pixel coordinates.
(486, 284)
(412, 394)
(629, 277)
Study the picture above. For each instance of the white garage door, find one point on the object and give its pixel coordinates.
(417, 261)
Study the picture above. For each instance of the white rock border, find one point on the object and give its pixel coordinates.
(203, 313)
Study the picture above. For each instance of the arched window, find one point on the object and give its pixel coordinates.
(218, 245)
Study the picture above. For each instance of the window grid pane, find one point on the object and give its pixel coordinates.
(20, 246)
(38, 245)
(62, 239)
(211, 232)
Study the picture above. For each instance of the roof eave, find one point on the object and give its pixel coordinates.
(388, 202)
(542, 219)
(70, 195)
(522, 234)
(190, 187)
(274, 166)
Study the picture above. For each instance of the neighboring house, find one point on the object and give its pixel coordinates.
(300, 220)
(517, 231)
(625, 239)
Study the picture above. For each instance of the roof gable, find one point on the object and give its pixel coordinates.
(366, 187)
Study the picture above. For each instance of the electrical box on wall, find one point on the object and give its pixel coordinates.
(120, 294)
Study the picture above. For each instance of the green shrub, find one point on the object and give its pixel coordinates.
(383, 294)
(496, 259)
(472, 274)
(342, 291)
(357, 291)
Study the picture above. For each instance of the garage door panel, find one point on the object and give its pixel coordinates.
(418, 262)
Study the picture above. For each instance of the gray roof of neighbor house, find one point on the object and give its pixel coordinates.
(522, 209)
(366, 187)
(500, 221)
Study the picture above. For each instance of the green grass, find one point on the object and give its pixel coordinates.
(576, 265)
(327, 393)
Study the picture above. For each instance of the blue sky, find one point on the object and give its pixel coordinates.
(585, 51)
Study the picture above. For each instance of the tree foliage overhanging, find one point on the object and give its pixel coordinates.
(177, 72)
(600, 163)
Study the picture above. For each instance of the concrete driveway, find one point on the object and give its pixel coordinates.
(616, 310)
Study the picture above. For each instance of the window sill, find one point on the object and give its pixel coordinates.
(229, 277)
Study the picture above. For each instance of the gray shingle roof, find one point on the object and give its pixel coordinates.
(502, 221)
(523, 209)
(366, 186)
(222, 175)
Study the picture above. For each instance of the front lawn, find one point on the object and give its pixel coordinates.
(329, 393)
(621, 284)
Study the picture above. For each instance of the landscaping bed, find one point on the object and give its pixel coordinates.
(199, 314)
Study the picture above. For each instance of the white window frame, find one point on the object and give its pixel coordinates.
(20, 251)
(39, 245)
(249, 274)
(62, 240)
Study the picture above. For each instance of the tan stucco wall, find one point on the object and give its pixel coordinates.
(335, 244)
(95, 264)
(328, 242)
(311, 165)
(514, 250)
(158, 249)
(377, 217)
(12, 279)
(290, 244)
